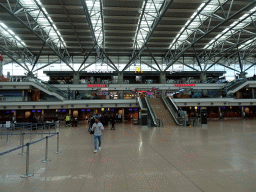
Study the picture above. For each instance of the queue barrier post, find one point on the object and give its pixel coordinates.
(22, 144)
(58, 144)
(30, 132)
(27, 174)
(46, 152)
(7, 137)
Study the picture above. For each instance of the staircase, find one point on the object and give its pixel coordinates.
(231, 87)
(161, 112)
(48, 88)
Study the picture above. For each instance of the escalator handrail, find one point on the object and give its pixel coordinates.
(174, 103)
(171, 111)
(47, 86)
(153, 115)
(140, 103)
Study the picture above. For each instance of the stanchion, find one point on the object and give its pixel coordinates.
(36, 127)
(46, 152)
(49, 127)
(7, 138)
(1, 132)
(27, 165)
(30, 132)
(58, 144)
(20, 139)
(22, 144)
(42, 130)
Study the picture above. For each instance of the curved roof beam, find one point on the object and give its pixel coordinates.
(241, 23)
(40, 24)
(14, 47)
(223, 39)
(152, 13)
(93, 10)
(197, 34)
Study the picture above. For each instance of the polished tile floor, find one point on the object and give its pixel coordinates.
(217, 159)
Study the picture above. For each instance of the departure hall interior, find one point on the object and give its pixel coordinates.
(127, 95)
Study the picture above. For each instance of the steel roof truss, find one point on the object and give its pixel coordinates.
(32, 24)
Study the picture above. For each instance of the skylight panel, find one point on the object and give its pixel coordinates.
(151, 12)
(244, 20)
(43, 21)
(94, 8)
(5, 31)
(195, 21)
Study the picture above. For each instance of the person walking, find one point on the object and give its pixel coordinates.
(97, 127)
(113, 122)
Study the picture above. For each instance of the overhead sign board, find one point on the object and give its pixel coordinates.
(184, 85)
(96, 85)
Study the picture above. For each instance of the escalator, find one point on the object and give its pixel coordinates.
(172, 108)
(144, 104)
(48, 88)
(231, 87)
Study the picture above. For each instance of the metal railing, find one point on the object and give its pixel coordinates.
(140, 103)
(153, 115)
(172, 109)
(27, 153)
(47, 86)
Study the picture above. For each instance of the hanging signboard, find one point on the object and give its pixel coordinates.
(96, 85)
(184, 85)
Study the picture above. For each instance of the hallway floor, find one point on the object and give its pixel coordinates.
(218, 159)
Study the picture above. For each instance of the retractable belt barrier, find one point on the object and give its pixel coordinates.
(27, 174)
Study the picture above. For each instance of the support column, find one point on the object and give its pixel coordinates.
(183, 80)
(242, 75)
(203, 78)
(253, 95)
(123, 115)
(120, 78)
(162, 78)
(23, 95)
(121, 94)
(76, 78)
(1, 68)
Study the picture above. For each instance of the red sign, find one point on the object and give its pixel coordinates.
(184, 85)
(96, 85)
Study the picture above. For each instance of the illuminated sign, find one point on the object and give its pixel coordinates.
(96, 85)
(184, 85)
(99, 71)
(138, 69)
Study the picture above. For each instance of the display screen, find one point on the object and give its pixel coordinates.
(83, 110)
(88, 109)
(38, 111)
(135, 109)
(63, 110)
(33, 111)
(130, 109)
(7, 111)
(112, 109)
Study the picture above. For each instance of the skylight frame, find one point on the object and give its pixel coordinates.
(8, 33)
(196, 20)
(146, 21)
(45, 21)
(233, 29)
(95, 11)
